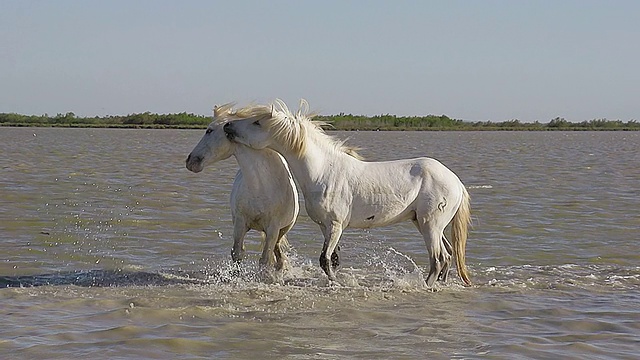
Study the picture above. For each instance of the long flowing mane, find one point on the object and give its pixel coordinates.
(295, 130)
(290, 129)
(226, 112)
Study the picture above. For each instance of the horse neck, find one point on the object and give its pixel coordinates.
(309, 168)
(262, 169)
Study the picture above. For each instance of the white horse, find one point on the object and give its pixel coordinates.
(264, 196)
(341, 191)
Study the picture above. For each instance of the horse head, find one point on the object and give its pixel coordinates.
(214, 145)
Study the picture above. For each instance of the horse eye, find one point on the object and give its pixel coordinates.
(209, 131)
(257, 122)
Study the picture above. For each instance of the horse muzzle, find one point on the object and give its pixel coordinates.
(194, 163)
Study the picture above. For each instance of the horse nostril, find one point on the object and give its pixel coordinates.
(194, 159)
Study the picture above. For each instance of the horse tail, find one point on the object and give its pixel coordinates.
(459, 231)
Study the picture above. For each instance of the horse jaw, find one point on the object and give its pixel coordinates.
(234, 132)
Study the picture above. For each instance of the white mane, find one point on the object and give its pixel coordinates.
(292, 130)
(295, 130)
(226, 112)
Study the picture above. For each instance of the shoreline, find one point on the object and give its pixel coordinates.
(351, 128)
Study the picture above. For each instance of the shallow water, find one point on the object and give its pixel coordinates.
(110, 248)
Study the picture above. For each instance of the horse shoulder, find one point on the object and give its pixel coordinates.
(273, 200)
(240, 194)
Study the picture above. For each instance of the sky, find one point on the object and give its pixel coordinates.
(484, 60)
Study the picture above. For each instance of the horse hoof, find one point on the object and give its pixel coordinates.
(268, 275)
(237, 256)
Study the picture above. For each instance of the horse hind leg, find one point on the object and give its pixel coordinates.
(444, 273)
(439, 263)
(439, 259)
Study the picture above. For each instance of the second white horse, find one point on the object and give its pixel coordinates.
(264, 196)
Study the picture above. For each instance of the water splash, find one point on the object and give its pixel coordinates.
(563, 276)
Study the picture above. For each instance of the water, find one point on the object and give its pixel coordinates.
(110, 248)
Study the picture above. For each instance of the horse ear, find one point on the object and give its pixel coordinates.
(221, 110)
(303, 108)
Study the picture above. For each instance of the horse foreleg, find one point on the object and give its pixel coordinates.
(268, 251)
(268, 259)
(332, 235)
(239, 231)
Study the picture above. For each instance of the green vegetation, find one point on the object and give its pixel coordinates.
(144, 120)
(338, 122)
(443, 122)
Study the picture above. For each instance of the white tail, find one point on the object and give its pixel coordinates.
(459, 231)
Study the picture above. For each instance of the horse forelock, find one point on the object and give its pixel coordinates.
(250, 111)
(223, 110)
(221, 113)
(226, 112)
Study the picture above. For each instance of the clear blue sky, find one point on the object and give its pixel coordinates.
(471, 60)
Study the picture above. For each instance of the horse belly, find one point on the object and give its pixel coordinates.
(261, 214)
(373, 216)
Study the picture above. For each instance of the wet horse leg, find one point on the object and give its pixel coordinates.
(335, 257)
(447, 264)
(439, 256)
(240, 229)
(445, 246)
(282, 259)
(332, 233)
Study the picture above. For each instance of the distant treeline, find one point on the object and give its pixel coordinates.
(146, 120)
(338, 122)
(443, 122)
